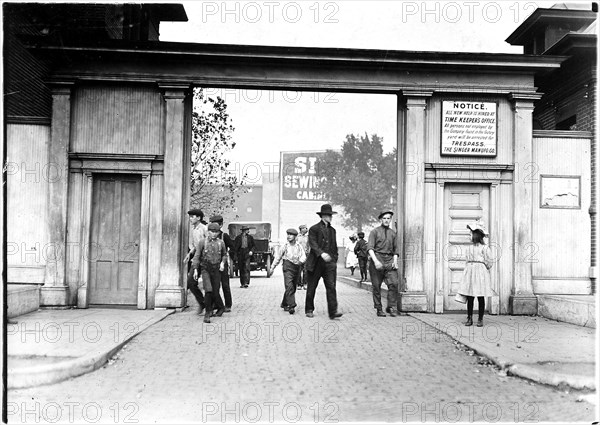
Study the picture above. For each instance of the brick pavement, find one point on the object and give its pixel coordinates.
(259, 363)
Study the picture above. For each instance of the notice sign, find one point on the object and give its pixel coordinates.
(469, 128)
(300, 178)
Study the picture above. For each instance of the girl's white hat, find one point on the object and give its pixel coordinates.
(478, 225)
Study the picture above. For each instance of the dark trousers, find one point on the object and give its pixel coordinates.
(244, 266)
(480, 306)
(226, 287)
(362, 263)
(291, 279)
(211, 279)
(390, 276)
(303, 281)
(327, 271)
(192, 285)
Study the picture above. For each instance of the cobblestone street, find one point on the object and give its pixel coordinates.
(261, 364)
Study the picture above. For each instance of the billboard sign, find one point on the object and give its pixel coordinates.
(300, 179)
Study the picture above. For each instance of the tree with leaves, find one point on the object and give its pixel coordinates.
(214, 188)
(360, 178)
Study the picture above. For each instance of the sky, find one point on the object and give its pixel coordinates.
(268, 122)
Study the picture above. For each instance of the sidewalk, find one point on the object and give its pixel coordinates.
(534, 348)
(48, 346)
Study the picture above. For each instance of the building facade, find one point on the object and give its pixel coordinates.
(117, 147)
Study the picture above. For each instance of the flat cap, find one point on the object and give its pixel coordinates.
(302, 226)
(244, 227)
(384, 213)
(216, 218)
(196, 211)
(291, 231)
(361, 234)
(214, 227)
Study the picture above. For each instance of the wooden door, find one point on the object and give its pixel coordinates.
(115, 239)
(463, 204)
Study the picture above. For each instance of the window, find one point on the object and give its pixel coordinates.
(569, 123)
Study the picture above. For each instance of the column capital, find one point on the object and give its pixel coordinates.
(175, 90)
(524, 100)
(63, 88)
(415, 98)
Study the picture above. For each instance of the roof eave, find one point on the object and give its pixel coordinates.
(309, 54)
(522, 32)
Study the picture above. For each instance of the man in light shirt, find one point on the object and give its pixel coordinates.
(294, 257)
(197, 232)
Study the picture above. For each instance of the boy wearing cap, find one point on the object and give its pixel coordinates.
(243, 247)
(294, 257)
(210, 258)
(302, 240)
(198, 232)
(225, 275)
(321, 262)
(362, 253)
(383, 264)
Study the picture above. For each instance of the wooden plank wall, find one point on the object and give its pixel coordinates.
(561, 236)
(116, 119)
(28, 172)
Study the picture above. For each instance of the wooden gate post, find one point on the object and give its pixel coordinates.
(170, 292)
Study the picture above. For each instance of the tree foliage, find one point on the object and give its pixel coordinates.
(214, 188)
(360, 178)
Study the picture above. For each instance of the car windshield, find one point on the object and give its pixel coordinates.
(260, 231)
(257, 230)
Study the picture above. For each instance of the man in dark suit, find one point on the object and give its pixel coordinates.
(321, 262)
(243, 247)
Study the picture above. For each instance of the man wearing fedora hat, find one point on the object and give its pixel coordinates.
(243, 245)
(321, 262)
(383, 264)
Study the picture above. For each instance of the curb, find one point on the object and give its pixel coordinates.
(526, 371)
(364, 285)
(552, 378)
(50, 374)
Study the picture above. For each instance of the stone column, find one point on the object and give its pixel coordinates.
(170, 292)
(55, 291)
(522, 299)
(412, 175)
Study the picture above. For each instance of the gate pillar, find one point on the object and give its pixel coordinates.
(170, 292)
(412, 105)
(55, 292)
(522, 300)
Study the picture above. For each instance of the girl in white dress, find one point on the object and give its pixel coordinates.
(351, 258)
(476, 281)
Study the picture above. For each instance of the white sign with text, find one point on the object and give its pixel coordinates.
(469, 128)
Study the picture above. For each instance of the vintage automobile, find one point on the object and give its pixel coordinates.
(262, 256)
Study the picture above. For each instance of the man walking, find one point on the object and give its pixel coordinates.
(302, 240)
(362, 253)
(243, 247)
(321, 262)
(225, 286)
(198, 232)
(383, 263)
(209, 259)
(294, 257)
